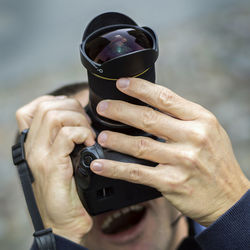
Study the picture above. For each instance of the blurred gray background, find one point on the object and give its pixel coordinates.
(204, 56)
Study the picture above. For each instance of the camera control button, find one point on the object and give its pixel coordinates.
(88, 159)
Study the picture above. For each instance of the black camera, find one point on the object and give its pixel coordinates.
(113, 46)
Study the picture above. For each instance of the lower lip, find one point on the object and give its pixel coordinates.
(128, 235)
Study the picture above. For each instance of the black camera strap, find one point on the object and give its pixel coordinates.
(44, 238)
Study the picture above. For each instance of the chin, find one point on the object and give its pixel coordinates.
(134, 227)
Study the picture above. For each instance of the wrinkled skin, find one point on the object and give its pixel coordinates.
(56, 124)
(197, 170)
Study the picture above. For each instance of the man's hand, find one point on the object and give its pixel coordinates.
(55, 125)
(197, 170)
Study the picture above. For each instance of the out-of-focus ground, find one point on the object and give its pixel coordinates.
(204, 56)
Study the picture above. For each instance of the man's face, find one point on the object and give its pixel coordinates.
(146, 226)
(143, 226)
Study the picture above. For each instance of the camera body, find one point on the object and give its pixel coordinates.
(100, 194)
(113, 46)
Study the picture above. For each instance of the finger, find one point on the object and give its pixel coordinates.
(166, 179)
(144, 118)
(131, 172)
(159, 97)
(57, 104)
(56, 164)
(141, 147)
(55, 119)
(67, 137)
(25, 114)
(45, 107)
(63, 146)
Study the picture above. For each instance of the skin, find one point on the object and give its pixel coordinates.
(55, 125)
(157, 233)
(197, 171)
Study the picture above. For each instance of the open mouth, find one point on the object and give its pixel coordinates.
(122, 220)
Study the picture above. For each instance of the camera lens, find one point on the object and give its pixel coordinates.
(116, 43)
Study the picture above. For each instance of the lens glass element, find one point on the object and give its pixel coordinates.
(116, 43)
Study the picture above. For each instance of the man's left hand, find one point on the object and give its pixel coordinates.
(197, 170)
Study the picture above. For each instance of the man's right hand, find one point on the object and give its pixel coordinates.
(55, 125)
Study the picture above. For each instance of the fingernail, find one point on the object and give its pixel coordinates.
(102, 137)
(60, 97)
(123, 83)
(96, 166)
(102, 106)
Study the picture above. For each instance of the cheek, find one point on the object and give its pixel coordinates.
(163, 210)
(90, 238)
(161, 215)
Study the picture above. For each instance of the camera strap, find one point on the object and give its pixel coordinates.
(44, 238)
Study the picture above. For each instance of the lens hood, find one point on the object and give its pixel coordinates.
(107, 19)
(137, 62)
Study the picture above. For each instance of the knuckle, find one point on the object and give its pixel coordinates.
(20, 113)
(81, 120)
(52, 117)
(88, 132)
(204, 130)
(141, 147)
(75, 102)
(200, 135)
(165, 97)
(43, 107)
(190, 158)
(211, 120)
(134, 174)
(173, 180)
(149, 117)
(65, 131)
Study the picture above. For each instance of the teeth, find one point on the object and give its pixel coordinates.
(118, 213)
(136, 207)
(125, 210)
(107, 222)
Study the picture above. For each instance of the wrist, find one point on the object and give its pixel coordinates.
(74, 237)
(74, 231)
(230, 199)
